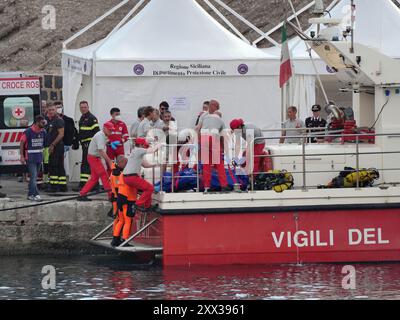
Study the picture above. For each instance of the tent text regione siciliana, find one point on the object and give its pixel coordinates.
(173, 50)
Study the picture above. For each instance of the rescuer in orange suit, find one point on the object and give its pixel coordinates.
(126, 199)
(114, 182)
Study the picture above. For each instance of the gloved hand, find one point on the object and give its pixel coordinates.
(115, 144)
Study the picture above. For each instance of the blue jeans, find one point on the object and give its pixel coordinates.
(33, 169)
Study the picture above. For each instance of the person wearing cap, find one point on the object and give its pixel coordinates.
(250, 133)
(211, 148)
(131, 173)
(316, 121)
(97, 151)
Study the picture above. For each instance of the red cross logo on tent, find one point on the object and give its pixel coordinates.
(18, 112)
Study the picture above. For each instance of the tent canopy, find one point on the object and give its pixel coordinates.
(171, 30)
(173, 50)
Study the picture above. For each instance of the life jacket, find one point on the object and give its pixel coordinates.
(114, 181)
(277, 180)
(348, 178)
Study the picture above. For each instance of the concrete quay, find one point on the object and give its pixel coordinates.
(60, 228)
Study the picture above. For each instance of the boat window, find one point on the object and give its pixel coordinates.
(18, 112)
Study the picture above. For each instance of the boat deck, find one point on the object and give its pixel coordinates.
(136, 247)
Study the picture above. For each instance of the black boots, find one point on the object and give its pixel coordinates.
(116, 241)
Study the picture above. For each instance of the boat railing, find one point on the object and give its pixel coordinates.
(304, 137)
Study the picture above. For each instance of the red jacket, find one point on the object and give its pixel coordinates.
(120, 132)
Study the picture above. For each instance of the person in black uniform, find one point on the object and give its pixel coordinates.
(69, 136)
(316, 122)
(54, 141)
(88, 127)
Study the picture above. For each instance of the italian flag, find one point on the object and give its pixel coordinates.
(286, 66)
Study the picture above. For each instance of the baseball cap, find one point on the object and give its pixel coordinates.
(142, 141)
(108, 126)
(236, 123)
(316, 108)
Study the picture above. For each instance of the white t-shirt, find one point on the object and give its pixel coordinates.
(172, 126)
(211, 121)
(248, 127)
(144, 127)
(159, 124)
(98, 142)
(135, 159)
(134, 129)
(293, 124)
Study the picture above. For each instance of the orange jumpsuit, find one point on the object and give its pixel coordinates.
(114, 182)
(126, 209)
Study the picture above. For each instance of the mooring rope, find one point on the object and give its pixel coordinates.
(52, 202)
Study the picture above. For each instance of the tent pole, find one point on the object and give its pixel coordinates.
(282, 105)
(92, 24)
(311, 57)
(125, 19)
(93, 81)
(277, 27)
(226, 21)
(333, 3)
(249, 24)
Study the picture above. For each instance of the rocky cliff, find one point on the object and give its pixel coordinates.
(25, 45)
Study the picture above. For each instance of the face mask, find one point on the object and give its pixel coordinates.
(117, 118)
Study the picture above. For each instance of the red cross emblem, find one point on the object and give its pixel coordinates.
(18, 112)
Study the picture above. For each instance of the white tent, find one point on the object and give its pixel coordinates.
(173, 50)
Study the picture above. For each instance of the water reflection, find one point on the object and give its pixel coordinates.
(110, 277)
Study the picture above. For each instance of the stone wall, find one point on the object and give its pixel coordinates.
(51, 87)
(63, 228)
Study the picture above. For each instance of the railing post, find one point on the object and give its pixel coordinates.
(173, 178)
(197, 167)
(161, 175)
(251, 164)
(304, 162)
(358, 160)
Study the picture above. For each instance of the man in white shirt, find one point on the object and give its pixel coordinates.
(210, 126)
(96, 151)
(146, 124)
(206, 106)
(292, 136)
(135, 126)
(132, 172)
